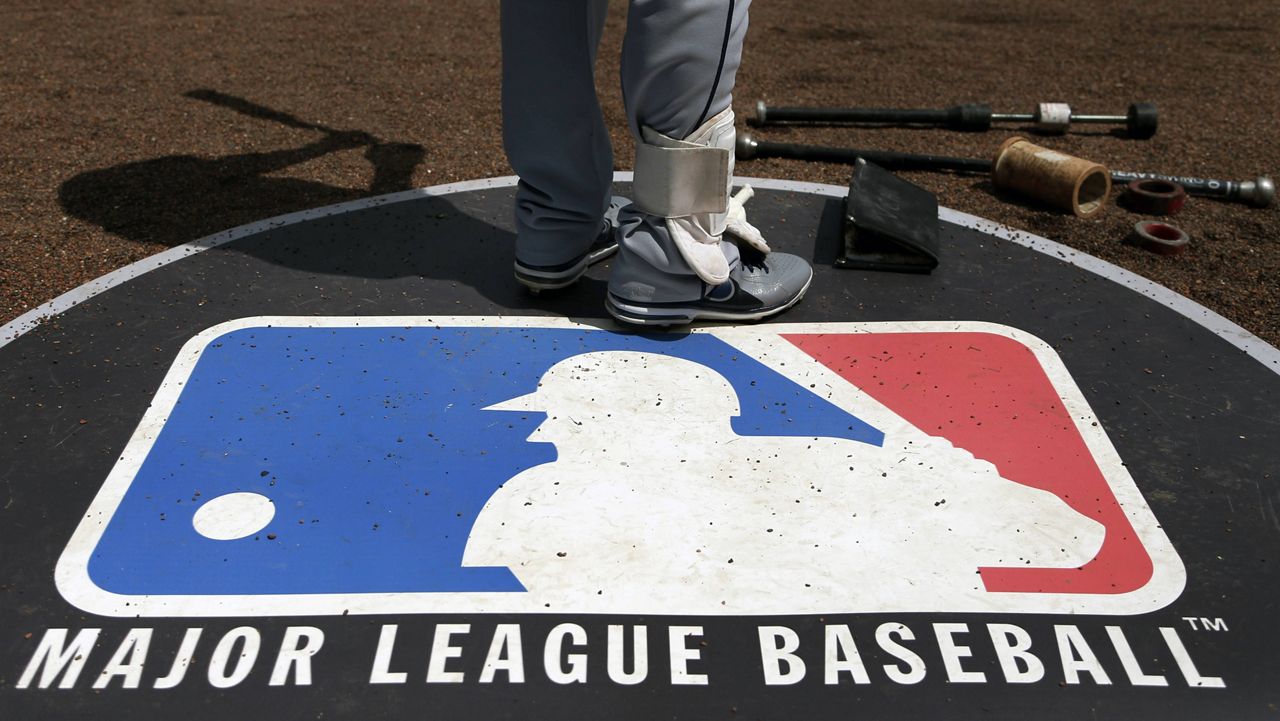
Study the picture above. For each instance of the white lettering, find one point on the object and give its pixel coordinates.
(952, 653)
(506, 638)
(1183, 659)
(1130, 661)
(1013, 645)
(774, 654)
(382, 672)
(252, 640)
(442, 651)
(915, 671)
(52, 658)
(618, 653)
(577, 672)
(681, 655)
(1077, 656)
(292, 655)
(59, 660)
(842, 655)
(181, 661)
(128, 660)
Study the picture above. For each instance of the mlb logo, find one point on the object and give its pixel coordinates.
(494, 464)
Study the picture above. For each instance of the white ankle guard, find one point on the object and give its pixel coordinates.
(687, 182)
(675, 178)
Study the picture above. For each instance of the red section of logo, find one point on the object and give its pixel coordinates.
(989, 395)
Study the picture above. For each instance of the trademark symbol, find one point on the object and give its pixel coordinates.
(1206, 624)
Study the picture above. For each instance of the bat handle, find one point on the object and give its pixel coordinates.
(748, 147)
(1259, 192)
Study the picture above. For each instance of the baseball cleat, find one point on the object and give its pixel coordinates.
(754, 291)
(562, 275)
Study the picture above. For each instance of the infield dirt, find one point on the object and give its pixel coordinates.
(110, 153)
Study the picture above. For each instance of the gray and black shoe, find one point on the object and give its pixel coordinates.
(562, 275)
(754, 291)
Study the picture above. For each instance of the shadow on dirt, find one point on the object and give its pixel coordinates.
(177, 199)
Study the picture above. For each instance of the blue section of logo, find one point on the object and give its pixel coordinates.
(373, 446)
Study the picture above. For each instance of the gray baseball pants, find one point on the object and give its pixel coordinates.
(679, 63)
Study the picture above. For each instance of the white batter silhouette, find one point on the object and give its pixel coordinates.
(656, 505)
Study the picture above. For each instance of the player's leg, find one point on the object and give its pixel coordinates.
(555, 137)
(680, 62)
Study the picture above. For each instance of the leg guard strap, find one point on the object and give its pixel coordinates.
(675, 178)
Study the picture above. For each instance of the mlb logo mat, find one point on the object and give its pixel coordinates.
(530, 465)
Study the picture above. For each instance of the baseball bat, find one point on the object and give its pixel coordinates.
(1259, 192)
(971, 117)
(748, 148)
(1141, 120)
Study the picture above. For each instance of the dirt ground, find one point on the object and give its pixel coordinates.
(127, 126)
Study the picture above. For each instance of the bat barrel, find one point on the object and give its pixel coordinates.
(749, 148)
(972, 117)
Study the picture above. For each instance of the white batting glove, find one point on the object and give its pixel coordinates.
(736, 224)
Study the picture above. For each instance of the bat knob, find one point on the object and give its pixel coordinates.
(1259, 192)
